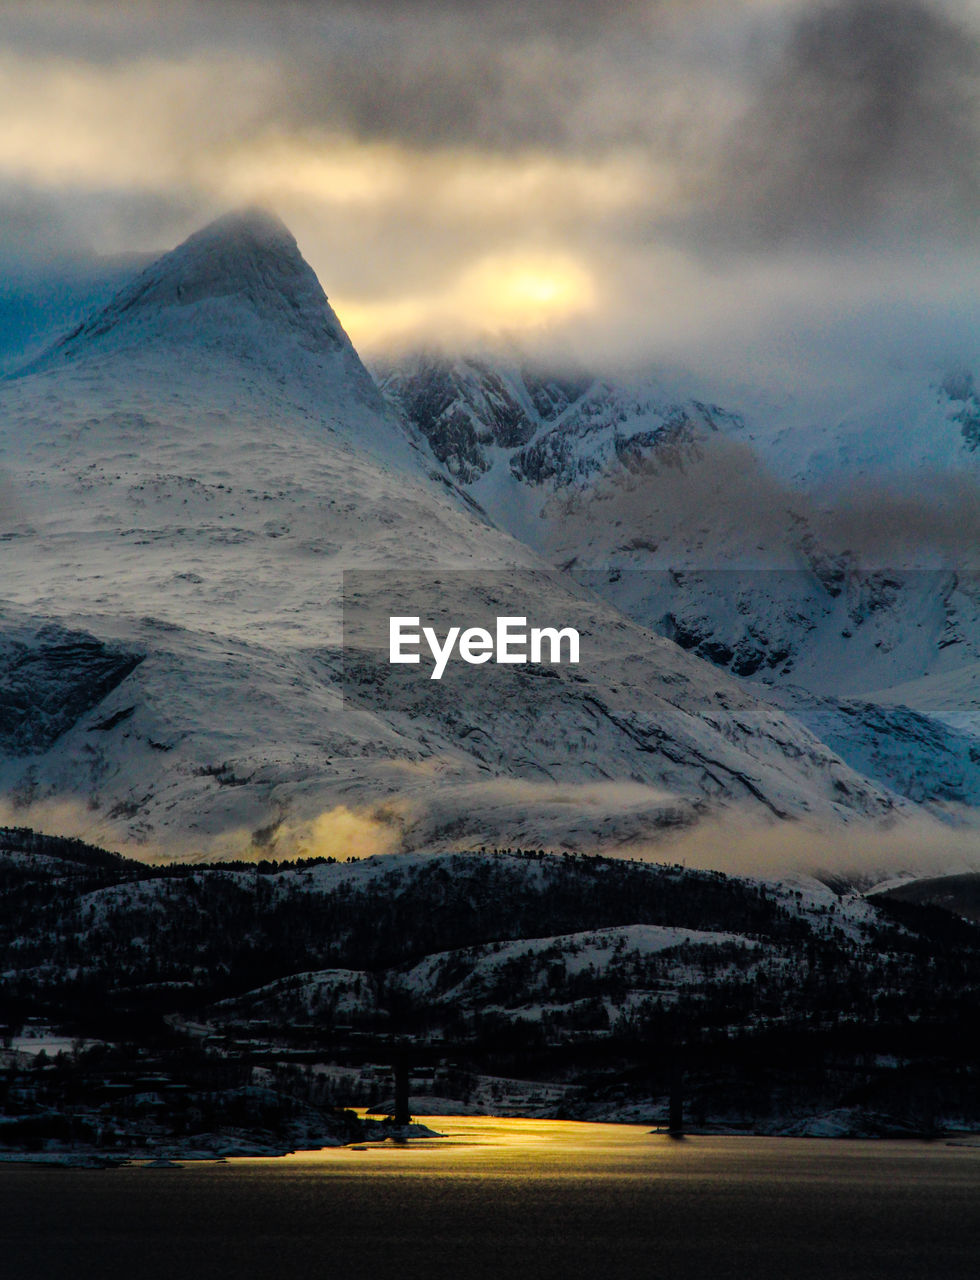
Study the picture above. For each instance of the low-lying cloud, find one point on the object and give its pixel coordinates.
(613, 819)
(716, 506)
(867, 853)
(340, 832)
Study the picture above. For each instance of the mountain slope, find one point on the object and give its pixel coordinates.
(192, 471)
(747, 538)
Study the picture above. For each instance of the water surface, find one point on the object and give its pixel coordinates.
(513, 1198)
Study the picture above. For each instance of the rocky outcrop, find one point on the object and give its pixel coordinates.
(51, 679)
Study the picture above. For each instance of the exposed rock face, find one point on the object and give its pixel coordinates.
(597, 436)
(461, 408)
(961, 389)
(917, 756)
(561, 427)
(49, 680)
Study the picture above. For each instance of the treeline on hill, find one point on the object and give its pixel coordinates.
(70, 849)
(231, 926)
(84, 936)
(96, 941)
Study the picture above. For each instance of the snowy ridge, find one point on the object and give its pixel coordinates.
(244, 266)
(551, 428)
(457, 978)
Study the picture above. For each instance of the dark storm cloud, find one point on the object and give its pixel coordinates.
(103, 29)
(424, 96)
(869, 116)
(577, 12)
(551, 73)
(860, 110)
(548, 75)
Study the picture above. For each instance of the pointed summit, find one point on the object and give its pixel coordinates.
(249, 255)
(241, 277)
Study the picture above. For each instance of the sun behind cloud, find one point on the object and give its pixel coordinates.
(513, 292)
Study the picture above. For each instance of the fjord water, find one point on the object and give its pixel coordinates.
(513, 1198)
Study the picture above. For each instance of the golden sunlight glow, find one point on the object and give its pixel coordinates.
(511, 293)
(150, 124)
(527, 290)
(137, 125)
(458, 184)
(340, 172)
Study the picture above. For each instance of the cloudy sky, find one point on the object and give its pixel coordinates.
(671, 179)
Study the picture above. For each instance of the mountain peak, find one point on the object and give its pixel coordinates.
(249, 253)
(246, 262)
(249, 223)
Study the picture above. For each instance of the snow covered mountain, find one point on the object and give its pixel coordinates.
(755, 540)
(187, 476)
(565, 424)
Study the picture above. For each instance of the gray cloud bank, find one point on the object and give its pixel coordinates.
(868, 112)
(758, 520)
(785, 115)
(783, 176)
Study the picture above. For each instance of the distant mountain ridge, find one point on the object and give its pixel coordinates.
(681, 514)
(561, 427)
